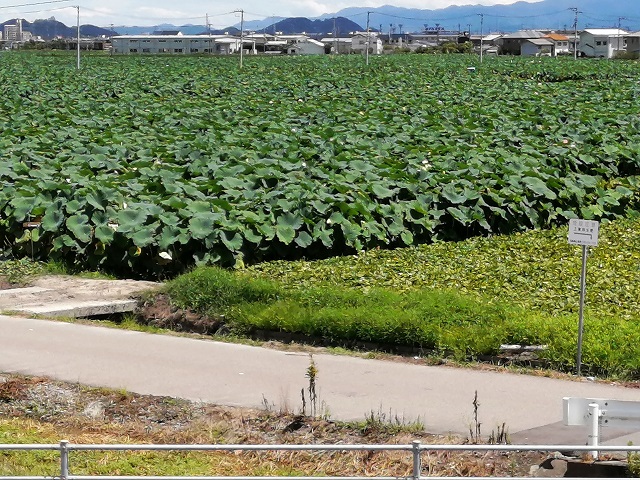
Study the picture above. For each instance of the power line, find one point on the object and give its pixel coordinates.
(33, 4)
(46, 10)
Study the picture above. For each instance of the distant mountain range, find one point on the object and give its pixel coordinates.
(271, 25)
(51, 28)
(544, 14)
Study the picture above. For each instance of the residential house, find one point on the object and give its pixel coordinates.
(263, 43)
(394, 40)
(560, 44)
(633, 44)
(537, 47)
(434, 37)
(337, 45)
(602, 42)
(488, 42)
(361, 40)
(574, 42)
(511, 44)
(303, 45)
(226, 45)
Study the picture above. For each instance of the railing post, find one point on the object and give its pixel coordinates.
(64, 459)
(417, 463)
(594, 438)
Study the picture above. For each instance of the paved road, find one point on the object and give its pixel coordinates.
(240, 375)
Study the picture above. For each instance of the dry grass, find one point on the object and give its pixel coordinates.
(37, 410)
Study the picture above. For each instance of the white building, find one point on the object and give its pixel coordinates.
(355, 44)
(302, 45)
(175, 44)
(633, 44)
(338, 44)
(560, 44)
(537, 47)
(13, 33)
(361, 40)
(602, 42)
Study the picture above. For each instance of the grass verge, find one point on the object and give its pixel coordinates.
(461, 300)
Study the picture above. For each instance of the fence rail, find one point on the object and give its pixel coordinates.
(416, 449)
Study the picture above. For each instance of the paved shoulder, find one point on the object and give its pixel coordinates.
(241, 375)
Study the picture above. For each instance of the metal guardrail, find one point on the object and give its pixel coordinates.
(416, 449)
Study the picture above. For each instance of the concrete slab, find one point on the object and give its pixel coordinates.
(69, 296)
(573, 435)
(19, 292)
(82, 309)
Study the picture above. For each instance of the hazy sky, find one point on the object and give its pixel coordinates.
(153, 12)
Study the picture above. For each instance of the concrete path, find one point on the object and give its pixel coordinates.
(350, 388)
(68, 296)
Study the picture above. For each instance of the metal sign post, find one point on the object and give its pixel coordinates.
(585, 233)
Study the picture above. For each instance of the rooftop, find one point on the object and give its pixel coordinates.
(611, 32)
(541, 42)
(558, 37)
(524, 34)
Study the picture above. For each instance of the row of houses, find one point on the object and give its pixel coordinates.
(251, 43)
(603, 43)
(593, 42)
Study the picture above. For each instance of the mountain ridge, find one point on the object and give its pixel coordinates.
(543, 14)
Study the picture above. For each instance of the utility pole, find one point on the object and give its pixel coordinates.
(335, 37)
(368, 39)
(575, 32)
(481, 36)
(78, 37)
(209, 33)
(241, 34)
(619, 28)
(111, 37)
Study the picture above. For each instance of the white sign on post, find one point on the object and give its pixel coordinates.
(583, 232)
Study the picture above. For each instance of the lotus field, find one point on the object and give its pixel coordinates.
(147, 165)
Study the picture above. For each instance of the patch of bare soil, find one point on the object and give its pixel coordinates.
(5, 284)
(74, 410)
(159, 312)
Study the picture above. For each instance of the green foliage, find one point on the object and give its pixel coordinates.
(445, 322)
(388, 423)
(127, 168)
(537, 274)
(19, 271)
(214, 290)
(536, 270)
(47, 463)
(440, 321)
